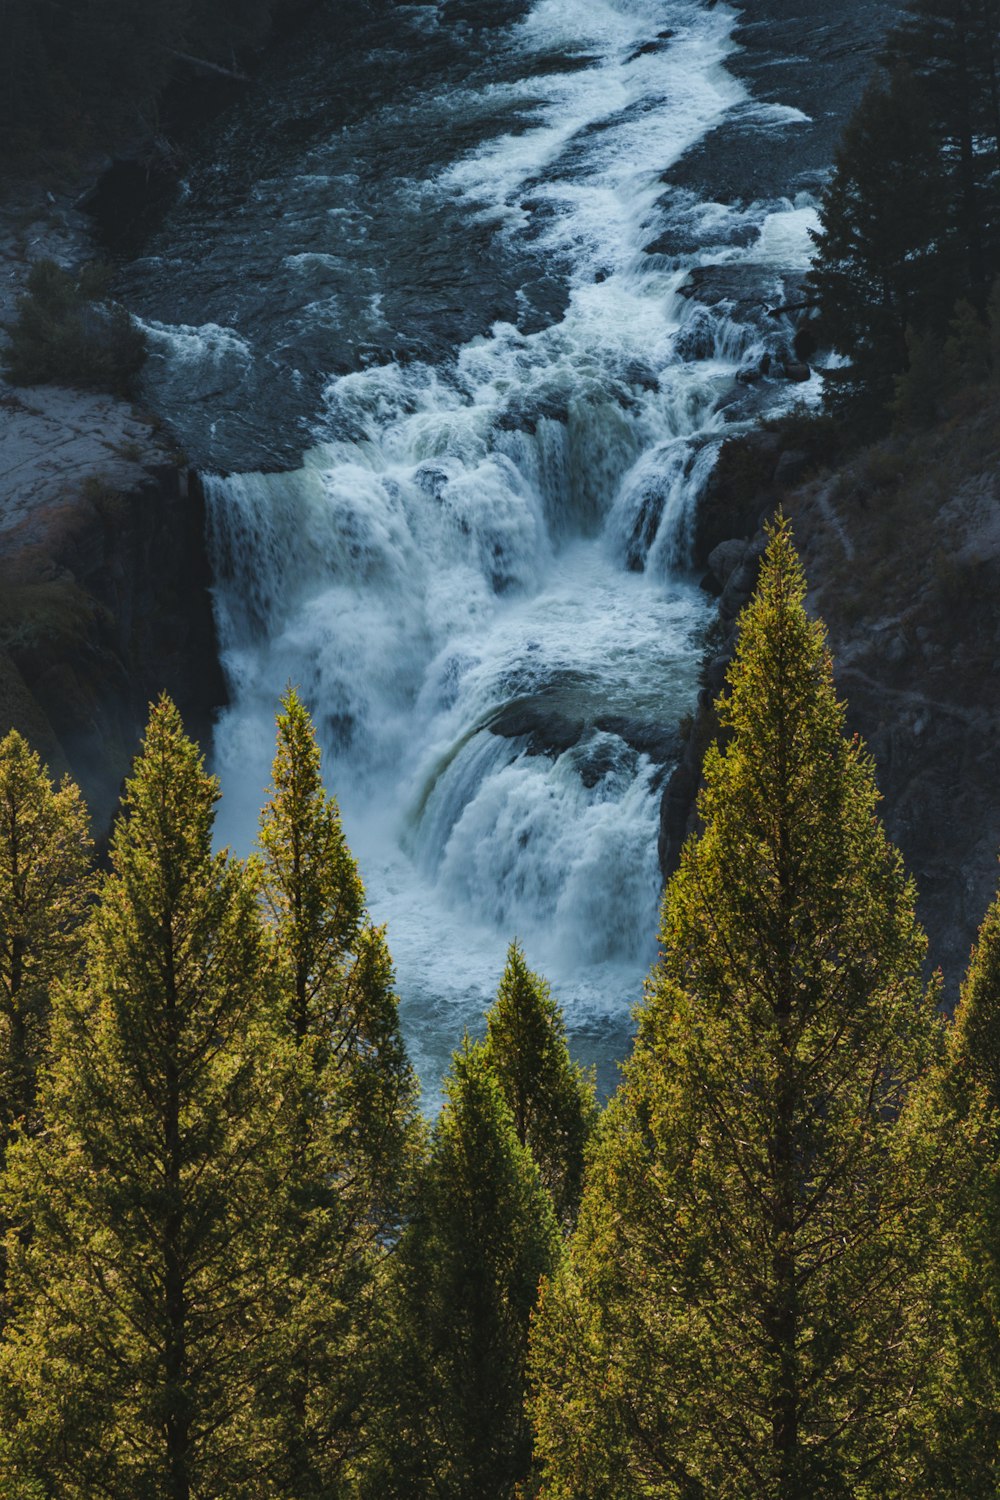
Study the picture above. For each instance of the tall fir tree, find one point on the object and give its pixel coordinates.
(730, 1321)
(551, 1098)
(353, 1132)
(466, 1278)
(144, 1233)
(954, 1120)
(952, 48)
(883, 249)
(45, 851)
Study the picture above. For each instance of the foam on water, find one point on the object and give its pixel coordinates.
(478, 574)
(590, 169)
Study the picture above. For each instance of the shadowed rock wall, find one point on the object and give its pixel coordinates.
(104, 603)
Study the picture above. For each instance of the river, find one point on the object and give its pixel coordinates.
(424, 317)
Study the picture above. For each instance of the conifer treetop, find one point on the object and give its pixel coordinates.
(975, 1040)
(731, 1319)
(552, 1099)
(311, 885)
(45, 850)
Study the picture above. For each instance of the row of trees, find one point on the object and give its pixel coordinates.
(233, 1263)
(909, 221)
(75, 73)
(236, 1263)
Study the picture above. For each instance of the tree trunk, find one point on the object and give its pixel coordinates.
(177, 1422)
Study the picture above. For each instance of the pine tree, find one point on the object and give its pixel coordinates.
(882, 258)
(551, 1098)
(45, 850)
(952, 48)
(139, 1275)
(955, 1121)
(353, 1129)
(729, 1325)
(466, 1279)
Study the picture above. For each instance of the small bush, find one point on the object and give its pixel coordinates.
(68, 333)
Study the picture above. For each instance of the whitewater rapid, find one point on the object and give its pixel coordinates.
(479, 574)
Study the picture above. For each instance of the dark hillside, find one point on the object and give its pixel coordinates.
(901, 544)
(78, 76)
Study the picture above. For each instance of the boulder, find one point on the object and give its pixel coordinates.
(658, 741)
(796, 372)
(742, 580)
(724, 559)
(547, 730)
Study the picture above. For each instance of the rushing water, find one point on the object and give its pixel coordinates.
(438, 303)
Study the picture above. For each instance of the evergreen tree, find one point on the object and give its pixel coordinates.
(882, 253)
(466, 1277)
(730, 1322)
(955, 1120)
(139, 1277)
(551, 1098)
(45, 850)
(952, 47)
(353, 1124)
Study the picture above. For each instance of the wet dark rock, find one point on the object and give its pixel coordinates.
(524, 416)
(742, 580)
(695, 338)
(714, 675)
(734, 286)
(645, 50)
(636, 374)
(644, 530)
(659, 741)
(546, 730)
(737, 492)
(798, 373)
(677, 804)
(601, 757)
(109, 604)
(724, 559)
(678, 815)
(747, 403)
(805, 344)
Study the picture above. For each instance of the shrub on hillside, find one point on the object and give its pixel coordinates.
(67, 332)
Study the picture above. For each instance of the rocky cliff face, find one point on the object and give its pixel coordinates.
(104, 579)
(104, 603)
(902, 549)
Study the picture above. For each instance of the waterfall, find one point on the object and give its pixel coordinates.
(479, 573)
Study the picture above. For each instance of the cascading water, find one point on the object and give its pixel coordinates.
(478, 573)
